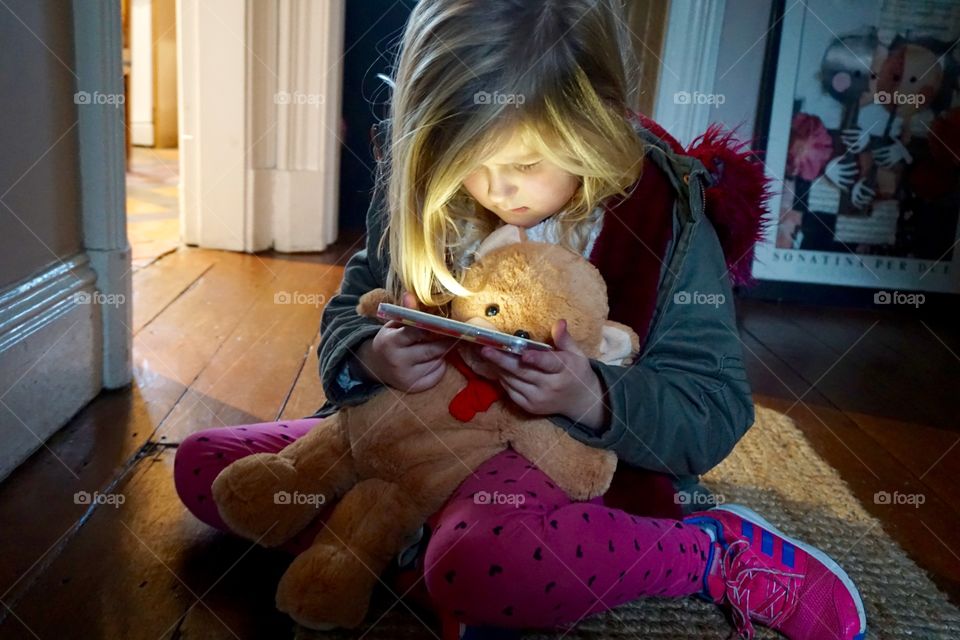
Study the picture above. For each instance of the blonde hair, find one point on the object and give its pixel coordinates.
(567, 66)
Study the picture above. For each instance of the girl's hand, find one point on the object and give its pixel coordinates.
(547, 382)
(404, 357)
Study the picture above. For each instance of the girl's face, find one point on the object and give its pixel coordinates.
(520, 186)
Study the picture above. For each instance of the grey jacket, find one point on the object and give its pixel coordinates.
(683, 404)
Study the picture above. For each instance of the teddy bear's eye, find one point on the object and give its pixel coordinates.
(520, 333)
(492, 310)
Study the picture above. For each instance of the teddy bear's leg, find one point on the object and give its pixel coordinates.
(583, 472)
(329, 584)
(270, 497)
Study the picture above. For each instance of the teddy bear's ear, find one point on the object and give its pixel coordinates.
(502, 236)
(619, 344)
(368, 303)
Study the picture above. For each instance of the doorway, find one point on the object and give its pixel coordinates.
(152, 153)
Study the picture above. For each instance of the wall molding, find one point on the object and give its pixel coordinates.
(50, 343)
(29, 305)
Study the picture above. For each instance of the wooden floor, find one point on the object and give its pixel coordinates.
(874, 393)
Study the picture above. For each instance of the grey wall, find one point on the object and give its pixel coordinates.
(39, 177)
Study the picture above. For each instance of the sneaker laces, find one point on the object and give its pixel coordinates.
(741, 581)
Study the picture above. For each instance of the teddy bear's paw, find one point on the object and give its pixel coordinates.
(326, 586)
(368, 303)
(258, 499)
(593, 475)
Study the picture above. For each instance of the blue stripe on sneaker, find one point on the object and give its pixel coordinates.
(713, 528)
(788, 554)
(766, 543)
(746, 529)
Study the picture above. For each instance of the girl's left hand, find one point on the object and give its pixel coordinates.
(547, 382)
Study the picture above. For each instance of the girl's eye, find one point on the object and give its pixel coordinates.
(526, 167)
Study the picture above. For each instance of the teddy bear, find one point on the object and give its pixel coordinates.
(392, 461)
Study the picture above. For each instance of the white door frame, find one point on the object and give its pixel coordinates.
(688, 68)
(142, 99)
(259, 107)
(99, 60)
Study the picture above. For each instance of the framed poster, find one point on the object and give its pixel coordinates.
(864, 146)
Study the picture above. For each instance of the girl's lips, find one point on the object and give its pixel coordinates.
(519, 209)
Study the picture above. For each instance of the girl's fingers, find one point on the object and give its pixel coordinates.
(423, 369)
(433, 350)
(520, 392)
(424, 365)
(409, 300)
(546, 361)
(530, 377)
(430, 378)
(517, 398)
(413, 335)
(511, 365)
(403, 334)
(504, 360)
(524, 388)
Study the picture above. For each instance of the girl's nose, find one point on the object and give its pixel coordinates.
(500, 191)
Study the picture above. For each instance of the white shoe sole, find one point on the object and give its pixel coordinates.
(752, 516)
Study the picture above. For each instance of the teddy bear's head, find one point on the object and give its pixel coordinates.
(523, 288)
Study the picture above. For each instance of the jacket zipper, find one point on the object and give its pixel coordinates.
(703, 196)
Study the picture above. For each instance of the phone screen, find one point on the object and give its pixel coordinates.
(459, 330)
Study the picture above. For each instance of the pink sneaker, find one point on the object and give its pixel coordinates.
(773, 580)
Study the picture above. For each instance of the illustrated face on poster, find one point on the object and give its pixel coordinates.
(871, 165)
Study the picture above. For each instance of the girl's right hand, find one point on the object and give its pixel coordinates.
(404, 357)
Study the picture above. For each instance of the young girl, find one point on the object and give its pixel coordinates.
(508, 111)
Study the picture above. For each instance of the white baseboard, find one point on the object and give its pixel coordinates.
(50, 355)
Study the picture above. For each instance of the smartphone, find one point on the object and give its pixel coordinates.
(459, 330)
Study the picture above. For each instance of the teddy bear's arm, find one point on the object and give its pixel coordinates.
(583, 472)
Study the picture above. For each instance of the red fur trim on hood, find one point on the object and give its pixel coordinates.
(738, 199)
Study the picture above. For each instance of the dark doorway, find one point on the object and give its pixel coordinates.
(372, 32)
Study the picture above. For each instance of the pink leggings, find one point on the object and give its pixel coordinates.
(508, 549)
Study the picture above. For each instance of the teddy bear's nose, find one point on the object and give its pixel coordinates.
(520, 333)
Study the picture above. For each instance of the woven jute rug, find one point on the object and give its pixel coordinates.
(776, 472)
